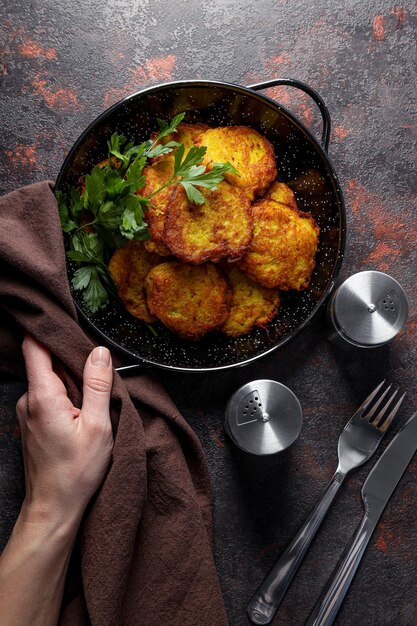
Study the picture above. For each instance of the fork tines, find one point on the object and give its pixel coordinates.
(381, 420)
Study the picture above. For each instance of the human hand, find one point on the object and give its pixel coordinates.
(66, 450)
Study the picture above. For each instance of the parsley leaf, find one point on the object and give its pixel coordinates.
(162, 148)
(123, 152)
(183, 163)
(134, 173)
(211, 178)
(114, 146)
(88, 246)
(87, 279)
(191, 174)
(82, 276)
(168, 128)
(193, 195)
(108, 215)
(67, 224)
(132, 217)
(95, 188)
(115, 185)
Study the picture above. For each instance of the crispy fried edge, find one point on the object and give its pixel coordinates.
(243, 265)
(260, 322)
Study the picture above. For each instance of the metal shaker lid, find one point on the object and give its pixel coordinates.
(263, 417)
(370, 308)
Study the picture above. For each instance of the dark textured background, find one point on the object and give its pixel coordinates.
(63, 63)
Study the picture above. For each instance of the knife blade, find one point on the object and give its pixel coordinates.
(376, 492)
(387, 472)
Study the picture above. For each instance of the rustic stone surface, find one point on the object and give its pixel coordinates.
(61, 66)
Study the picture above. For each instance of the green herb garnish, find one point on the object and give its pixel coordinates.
(109, 211)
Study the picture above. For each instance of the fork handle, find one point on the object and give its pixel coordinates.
(328, 605)
(267, 598)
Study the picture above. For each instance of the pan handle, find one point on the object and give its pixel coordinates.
(292, 82)
(131, 369)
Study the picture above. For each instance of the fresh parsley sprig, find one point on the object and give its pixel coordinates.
(109, 211)
(190, 174)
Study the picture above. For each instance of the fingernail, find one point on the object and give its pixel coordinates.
(100, 356)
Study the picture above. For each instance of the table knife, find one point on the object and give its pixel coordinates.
(376, 491)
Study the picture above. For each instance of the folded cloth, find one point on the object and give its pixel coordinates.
(144, 553)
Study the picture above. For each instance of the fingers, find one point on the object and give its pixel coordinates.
(98, 380)
(43, 383)
(22, 408)
(38, 362)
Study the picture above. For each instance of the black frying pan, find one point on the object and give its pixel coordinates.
(302, 163)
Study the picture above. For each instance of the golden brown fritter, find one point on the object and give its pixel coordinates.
(283, 246)
(119, 266)
(220, 228)
(129, 267)
(251, 304)
(187, 134)
(282, 193)
(157, 175)
(249, 152)
(189, 300)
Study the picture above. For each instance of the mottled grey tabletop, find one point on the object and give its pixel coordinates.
(62, 64)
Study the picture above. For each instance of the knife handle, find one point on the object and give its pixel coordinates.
(265, 602)
(325, 611)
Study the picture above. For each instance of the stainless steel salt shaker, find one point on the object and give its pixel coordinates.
(263, 417)
(367, 310)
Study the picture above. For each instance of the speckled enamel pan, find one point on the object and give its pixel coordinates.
(302, 163)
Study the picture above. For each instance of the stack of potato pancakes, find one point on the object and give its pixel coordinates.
(220, 265)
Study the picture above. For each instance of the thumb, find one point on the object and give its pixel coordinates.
(98, 380)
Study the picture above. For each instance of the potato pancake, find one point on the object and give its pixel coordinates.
(189, 300)
(157, 175)
(187, 134)
(251, 304)
(129, 267)
(119, 266)
(282, 193)
(220, 228)
(284, 244)
(249, 152)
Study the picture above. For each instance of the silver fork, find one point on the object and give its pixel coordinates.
(357, 443)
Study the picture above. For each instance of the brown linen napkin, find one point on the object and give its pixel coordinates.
(144, 555)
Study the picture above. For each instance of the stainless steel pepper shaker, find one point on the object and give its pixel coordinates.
(263, 417)
(367, 310)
